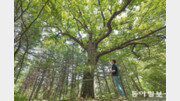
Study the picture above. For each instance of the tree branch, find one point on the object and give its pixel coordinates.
(32, 21)
(135, 52)
(23, 11)
(18, 48)
(127, 43)
(102, 14)
(79, 32)
(23, 23)
(109, 22)
(72, 37)
(84, 27)
(82, 18)
(135, 46)
(67, 34)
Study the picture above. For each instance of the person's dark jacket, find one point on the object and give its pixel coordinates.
(114, 67)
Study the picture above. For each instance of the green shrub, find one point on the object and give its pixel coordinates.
(19, 97)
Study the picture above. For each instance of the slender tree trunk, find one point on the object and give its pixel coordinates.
(18, 48)
(40, 83)
(51, 84)
(67, 82)
(21, 65)
(62, 81)
(73, 80)
(30, 81)
(107, 86)
(135, 84)
(132, 79)
(46, 84)
(24, 83)
(99, 85)
(56, 90)
(122, 84)
(45, 88)
(136, 74)
(34, 87)
(77, 94)
(128, 84)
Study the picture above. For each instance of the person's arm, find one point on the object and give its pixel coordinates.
(113, 70)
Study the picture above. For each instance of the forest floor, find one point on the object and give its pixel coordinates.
(135, 99)
(113, 99)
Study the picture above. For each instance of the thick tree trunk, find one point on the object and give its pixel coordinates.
(87, 90)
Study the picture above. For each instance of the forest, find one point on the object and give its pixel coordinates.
(62, 50)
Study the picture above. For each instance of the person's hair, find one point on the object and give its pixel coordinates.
(114, 61)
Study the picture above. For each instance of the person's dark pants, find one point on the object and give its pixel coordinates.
(117, 83)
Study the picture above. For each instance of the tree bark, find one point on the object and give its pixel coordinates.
(87, 90)
(21, 64)
(67, 82)
(136, 74)
(25, 82)
(107, 86)
(128, 84)
(132, 79)
(40, 83)
(34, 87)
(99, 83)
(123, 86)
(73, 80)
(51, 84)
(62, 81)
(77, 94)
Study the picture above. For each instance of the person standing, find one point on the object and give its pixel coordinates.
(115, 74)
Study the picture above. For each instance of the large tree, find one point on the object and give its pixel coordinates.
(104, 26)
